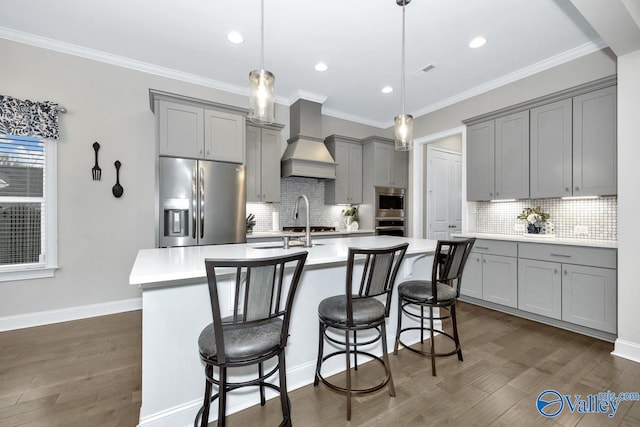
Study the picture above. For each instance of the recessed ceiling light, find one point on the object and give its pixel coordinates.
(235, 37)
(387, 89)
(321, 66)
(477, 42)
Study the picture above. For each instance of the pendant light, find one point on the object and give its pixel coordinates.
(403, 124)
(262, 82)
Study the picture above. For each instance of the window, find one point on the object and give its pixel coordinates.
(28, 235)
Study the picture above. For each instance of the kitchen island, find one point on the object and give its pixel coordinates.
(175, 308)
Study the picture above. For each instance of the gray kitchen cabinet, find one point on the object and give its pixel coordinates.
(472, 276)
(595, 143)
(500, 280)
(263, 164)
(180, 129)
(481, 161)
(589, 297)
(551, 152)
(224, 136)
(498, 158)
(192, 131)
(540, 287)
(512, 156)
(587, 284)
(347, 187)
(389, 166)
(491, 272)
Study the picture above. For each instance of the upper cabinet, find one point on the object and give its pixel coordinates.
(224, 136)
(551, 150)
(594, 143)
(498, 158)
(347, 187)
(389, 166)
(263, 164)
(557, 146)
(199, 130)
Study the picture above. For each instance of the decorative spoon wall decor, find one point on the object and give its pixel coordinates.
(96, 172)
(117, 189)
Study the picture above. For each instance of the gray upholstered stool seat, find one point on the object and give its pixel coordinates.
(365, 310)
(265, 337)
(420, 290)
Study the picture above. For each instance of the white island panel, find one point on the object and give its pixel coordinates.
(176, 307)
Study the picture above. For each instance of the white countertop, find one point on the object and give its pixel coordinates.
(280, 233)
(534, 238)
(184, 263)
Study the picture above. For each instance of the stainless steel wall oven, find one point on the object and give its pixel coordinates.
(390, 216)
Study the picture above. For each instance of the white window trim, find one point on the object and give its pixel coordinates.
(50, 264)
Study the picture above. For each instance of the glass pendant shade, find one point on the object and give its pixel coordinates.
(261, 98)
(404, 132)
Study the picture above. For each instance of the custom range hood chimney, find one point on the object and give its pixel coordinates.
(306, 155)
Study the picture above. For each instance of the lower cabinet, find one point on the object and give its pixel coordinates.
(589, 297)
(491, 273)
(575, 284)
(540, 288)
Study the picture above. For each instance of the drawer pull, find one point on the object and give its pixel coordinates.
(481, 247)
(561, 255)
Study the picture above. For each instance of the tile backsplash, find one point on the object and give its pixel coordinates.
(600, 216)
(290, 189)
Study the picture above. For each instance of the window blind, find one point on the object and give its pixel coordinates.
(22, 201)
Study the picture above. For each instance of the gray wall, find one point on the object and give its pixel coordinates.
(99, 235)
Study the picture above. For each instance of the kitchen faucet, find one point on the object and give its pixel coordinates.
(307, 233)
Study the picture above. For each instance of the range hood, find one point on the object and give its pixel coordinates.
(306, 155)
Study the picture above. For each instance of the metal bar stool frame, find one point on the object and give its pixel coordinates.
(448, 264)
(380, 269)
(247, 315)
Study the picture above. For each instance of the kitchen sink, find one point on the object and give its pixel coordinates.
(281, 246)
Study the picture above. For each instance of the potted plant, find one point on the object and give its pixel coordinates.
(535, 217)
(350, 214)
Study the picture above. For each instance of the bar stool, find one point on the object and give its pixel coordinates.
(364, 306)
(262, 293)
(441, 292)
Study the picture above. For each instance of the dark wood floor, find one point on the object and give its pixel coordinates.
(87, 373)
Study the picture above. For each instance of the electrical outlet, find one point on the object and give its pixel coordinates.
(518, 227)
(581, 230)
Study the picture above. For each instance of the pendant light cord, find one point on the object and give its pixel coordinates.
(262, 34)
(403, 59)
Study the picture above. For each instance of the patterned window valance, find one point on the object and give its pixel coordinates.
(27, 118)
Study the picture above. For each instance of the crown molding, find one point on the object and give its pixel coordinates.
(543, 65)
(353, 118)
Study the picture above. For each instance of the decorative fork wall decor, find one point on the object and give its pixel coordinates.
(96, 172)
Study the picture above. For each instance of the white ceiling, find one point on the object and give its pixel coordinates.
(359, 39)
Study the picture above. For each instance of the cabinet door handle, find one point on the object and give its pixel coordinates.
(484, 261)
(566, 189)
(577, 189)
(561, 255)
(555, 271)
(481, 247)
(565, 272)
(491, 194)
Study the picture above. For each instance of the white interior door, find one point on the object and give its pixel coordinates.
(444, 193)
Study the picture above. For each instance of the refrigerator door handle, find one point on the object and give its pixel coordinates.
(193, 202)
(202, 203)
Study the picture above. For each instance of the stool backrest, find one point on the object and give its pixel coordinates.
(378, 274)
(258, 288)
(448, 263)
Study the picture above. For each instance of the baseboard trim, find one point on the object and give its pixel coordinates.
(627, 350)
(21, 321)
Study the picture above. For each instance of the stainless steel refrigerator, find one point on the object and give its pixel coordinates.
(201, 202)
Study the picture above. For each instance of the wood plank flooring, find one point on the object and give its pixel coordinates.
(87, 373)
